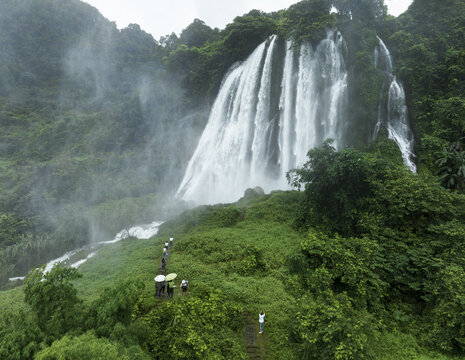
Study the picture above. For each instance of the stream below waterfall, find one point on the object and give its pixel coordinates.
(75, 258)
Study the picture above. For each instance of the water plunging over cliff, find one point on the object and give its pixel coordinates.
(253, 136)
(393, 113)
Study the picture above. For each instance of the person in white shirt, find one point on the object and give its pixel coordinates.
(261, 320)
(184, 285)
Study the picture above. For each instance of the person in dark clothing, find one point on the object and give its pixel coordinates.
(157, 289)
(163, 265)
(164, 253)
(162, 287)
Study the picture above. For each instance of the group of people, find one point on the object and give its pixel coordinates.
(161, 286)
(169, 286)
(167, 246)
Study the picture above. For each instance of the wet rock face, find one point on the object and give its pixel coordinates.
(253, 193)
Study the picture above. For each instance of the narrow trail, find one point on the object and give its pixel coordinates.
(162, 271)
(254, 344)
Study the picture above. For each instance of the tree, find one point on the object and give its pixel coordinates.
(195, 328)
(361, 9)
(337, 186)
(20, 337)
(54, 300)
(452, 166)
(247, 32)
(114, 307)
(11, 229)
(197, 34)
(307, 20)
(332, 328)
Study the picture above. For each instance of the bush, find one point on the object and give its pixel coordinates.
(88, 347)
(195, 328)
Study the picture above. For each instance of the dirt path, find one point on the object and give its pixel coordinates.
(254, 345)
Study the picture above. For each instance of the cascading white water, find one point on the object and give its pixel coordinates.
(393, 114)
(262, 124)
(286, 106)
(236, 149)
(220, 166)
(321, 95)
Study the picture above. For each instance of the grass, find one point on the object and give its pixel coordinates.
(130, 258)
(12, 300)
(247, 261)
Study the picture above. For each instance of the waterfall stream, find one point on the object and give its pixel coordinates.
(77, 257)
(393, 113)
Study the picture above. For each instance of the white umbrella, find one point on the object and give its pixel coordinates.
(159, 278)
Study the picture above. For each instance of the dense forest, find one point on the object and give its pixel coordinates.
(366, 261)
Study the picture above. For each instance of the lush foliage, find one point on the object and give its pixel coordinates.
(54, 300)
(427, 45)
(388, 249)
(88, 347)
(379, 293)
(200, 327)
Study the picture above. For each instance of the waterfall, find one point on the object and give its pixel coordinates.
(393, 113)
(237, 149)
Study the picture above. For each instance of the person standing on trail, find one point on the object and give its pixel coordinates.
(184, 285)
(261, 320)
(164, 253)
(171, 241)
(166, 244)
(162, 287)
(170, 290)
(163, 265)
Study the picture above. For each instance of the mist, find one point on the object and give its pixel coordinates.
(99, 131)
